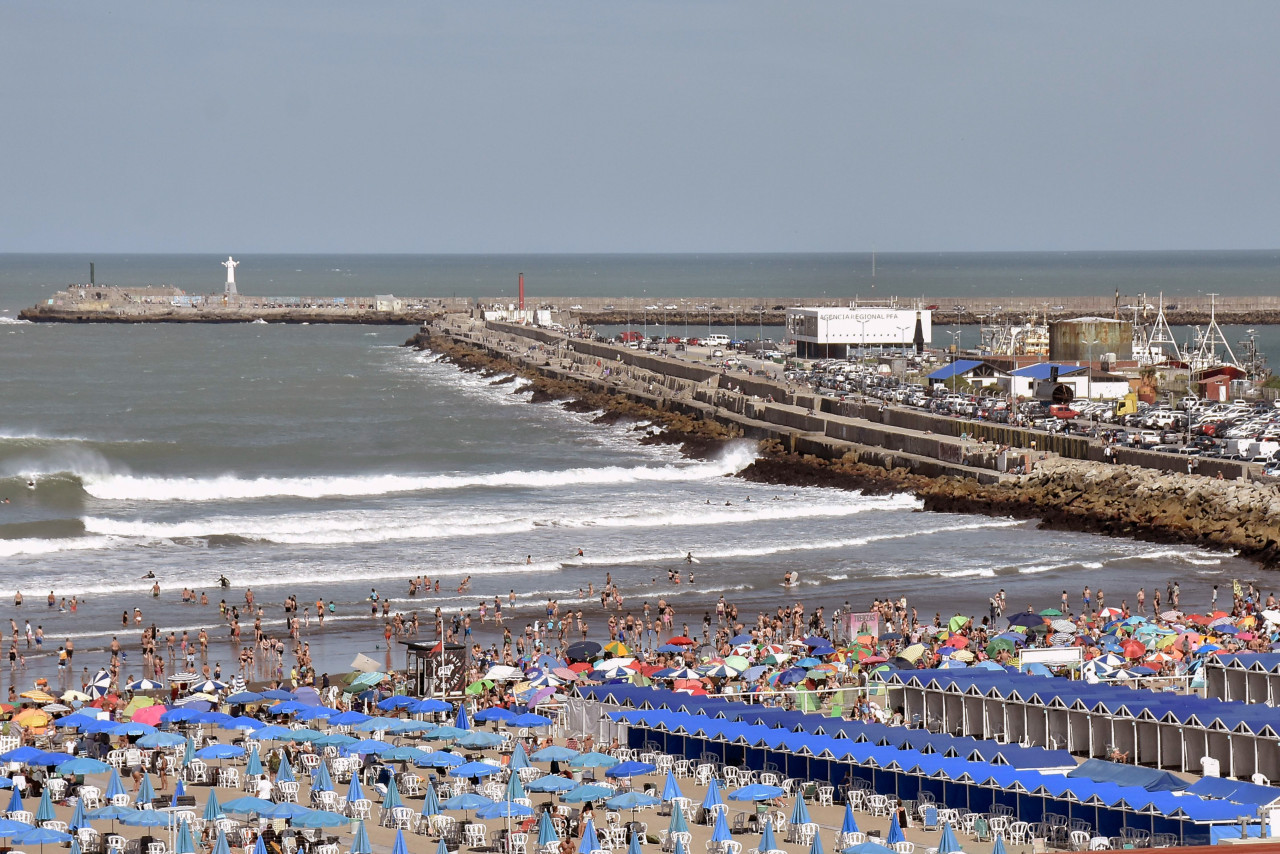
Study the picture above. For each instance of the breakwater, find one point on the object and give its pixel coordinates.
(807, 440)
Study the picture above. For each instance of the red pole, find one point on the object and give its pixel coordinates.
(522, 291)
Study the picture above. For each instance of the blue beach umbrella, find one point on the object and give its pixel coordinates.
(546, 830)
(179, 791)
(713, 795)
(441, 846)
(110, 811)
(260, 847)
(815, 847)
(767, 842)
(595, 760)
(220, 845)
(948, 844)
(115, 786)
(320, 818)
(320, 779)
(81, 765)
(631, 801)
(895, 831)
(869, 848)
(430, 801)
(474, 769)
(633, 847)
(755, 792)
(220, 751)
(531, 719)
(391, 799)
(439, 759)
(479, 740)
(799, 812)
(850, 823)
(514, 789)
(677, 823)
(285, 810)
(554, 753)
(590, 842)
(360, 840)
(355, 792)
(145, 818)
(15, 801)
(720, 833)
(467, 801)
(247, 804)
(519, 759)
(462, 722)
(212, 809)
(398, 847)
(254, 768)
(428, 706)
(44, 810)
(79, 819)
(550, 783)
(284, 774)
(999, 848)
(153, 740)
(672, 788)
(681, 848)
(504, 809)
(146, 792)
(586, 792)
(403, 753)
(369, 746)
(630, 769)
(495, 713)
(184, 843)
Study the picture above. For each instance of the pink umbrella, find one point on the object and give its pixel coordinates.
(149, 715)
(540, 695)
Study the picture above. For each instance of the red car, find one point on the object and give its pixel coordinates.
(1063, 411)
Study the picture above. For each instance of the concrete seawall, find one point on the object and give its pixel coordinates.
(854, 445)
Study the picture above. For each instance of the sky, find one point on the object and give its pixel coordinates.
(638, 126)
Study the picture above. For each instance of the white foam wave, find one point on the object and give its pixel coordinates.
(12, 321)
(117, 487)
(38, 546)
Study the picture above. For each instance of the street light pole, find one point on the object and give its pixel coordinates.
(955, 356)
(1089, 375)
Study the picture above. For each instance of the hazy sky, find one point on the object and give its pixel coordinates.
(616, 126)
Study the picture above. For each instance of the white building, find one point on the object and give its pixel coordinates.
(833, 333)
(1036, 381)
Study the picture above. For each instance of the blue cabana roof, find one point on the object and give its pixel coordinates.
(1128, 775)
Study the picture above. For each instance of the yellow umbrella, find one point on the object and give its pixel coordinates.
(39, 696)
(138, 702)
(32, 717)
(617, 648)
(913, 652)
(1165, 641)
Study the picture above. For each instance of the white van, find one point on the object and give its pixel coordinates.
(716, 340)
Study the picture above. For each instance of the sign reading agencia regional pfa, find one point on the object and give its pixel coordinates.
(832, 325)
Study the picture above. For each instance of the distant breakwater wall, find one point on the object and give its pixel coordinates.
(1062, 492)
(43, 314)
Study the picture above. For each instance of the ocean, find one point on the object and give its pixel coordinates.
(329, 462)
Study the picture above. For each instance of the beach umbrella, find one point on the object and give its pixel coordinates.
(100, 684)
(633, 847)
(631, 801)
(178, 791)
(41, 835)
(630, 769)
(320, 818)
(79, 818)
(873, 848)
(466, 801)
(220, 845)
(461, 722)
(519, 759)
(767, 842)
(247, 804)
(815, 847)
(355, 792)
(999, 848)
(586, 792)
(360, 840)
(430, 801)
(895, 831)
(850, 823)
(799, 812)
(369, 746)
(320, 779)
(254, 766)
(672, 787)
(212, 809)
(439, 759)
(681, 848)
(427, 706)
(472, 770)
(948, 843)
(184, 843)
(284, 774)
(553, 753)
(678, 824)
(720, 832)
(398, 847)
(594, 760)
(82, 765)
(110, 811)
(44, 810)
(220, 751)
(153, 740)
(713, 795)
(514, 789)
(145, 818)
(391, 799)
(756, 792)
(546, 830)
(504, 809)
(496, 713)
(590, 842)
(479, 740)
(550, 783)
(531, 719)
(146, 792)
(285, 811)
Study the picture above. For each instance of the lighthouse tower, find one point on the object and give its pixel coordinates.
(231, 265)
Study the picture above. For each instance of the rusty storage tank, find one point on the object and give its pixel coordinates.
(1069, 339)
